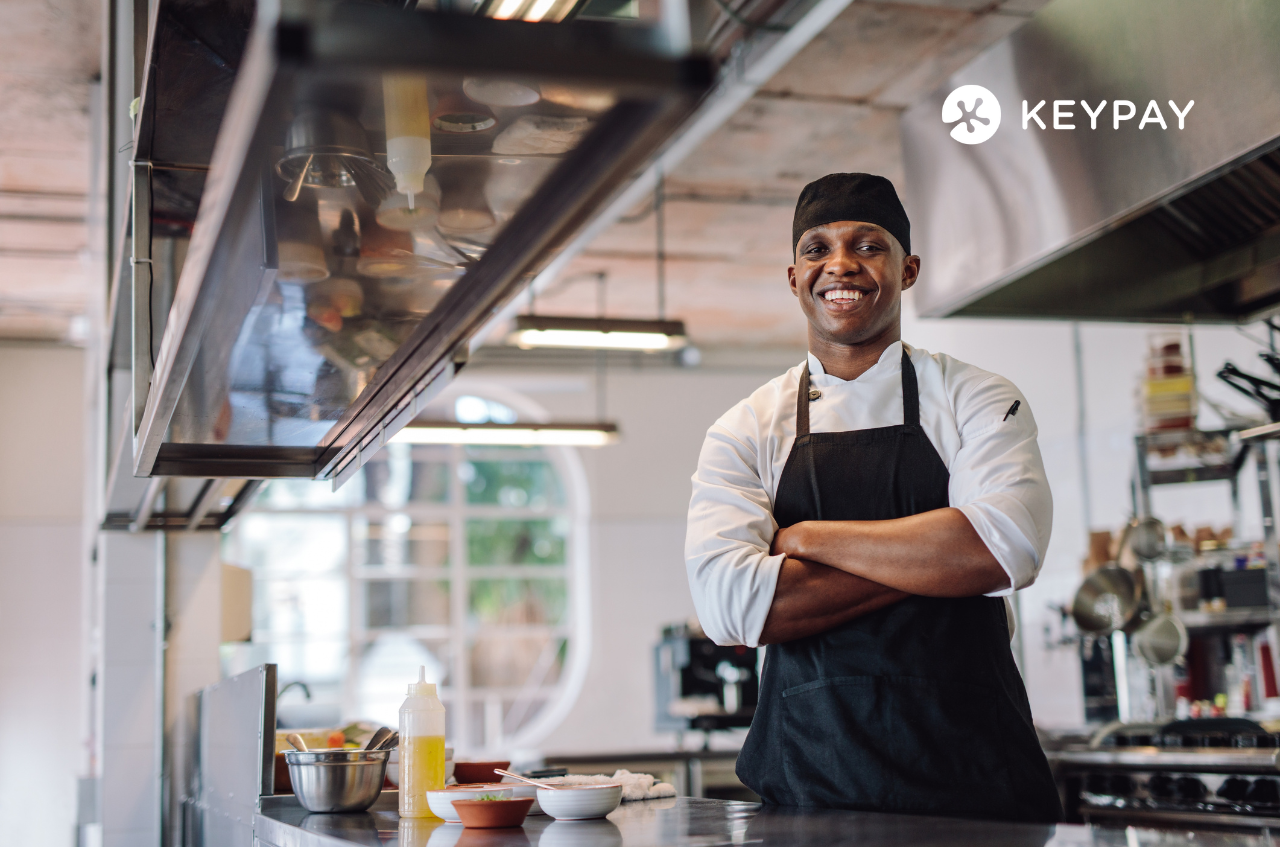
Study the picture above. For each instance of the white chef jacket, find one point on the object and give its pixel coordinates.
(997, 476)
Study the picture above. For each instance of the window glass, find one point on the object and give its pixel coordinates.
(516, 542)
(393, 603)
(533, 485)
(398, 540)
(306, 494)
(430, 483)
(292, 544)
(518, 602)
(450, 558)
(521, 661)
(380, 683)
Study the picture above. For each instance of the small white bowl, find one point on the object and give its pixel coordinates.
(524, 789)
(580, 802)
(441, 802)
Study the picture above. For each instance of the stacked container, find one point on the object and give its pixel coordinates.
(1167, 396)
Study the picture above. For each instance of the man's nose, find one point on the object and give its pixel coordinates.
(843, 262)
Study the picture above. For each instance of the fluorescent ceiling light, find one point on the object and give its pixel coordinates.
(555, 435)
(546, 11)
(597, 333)
(507, 9)
(539, 10)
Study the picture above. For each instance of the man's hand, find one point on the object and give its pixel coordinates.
(933, 554)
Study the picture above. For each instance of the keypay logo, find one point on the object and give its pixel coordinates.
(975, 111)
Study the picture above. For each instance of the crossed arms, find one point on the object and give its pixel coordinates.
(835, 571)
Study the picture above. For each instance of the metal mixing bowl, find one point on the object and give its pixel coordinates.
(337, 780)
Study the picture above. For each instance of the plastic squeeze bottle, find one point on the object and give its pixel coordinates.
(405, 101)
(421, 747)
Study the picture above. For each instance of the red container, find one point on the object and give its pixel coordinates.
(468, 772)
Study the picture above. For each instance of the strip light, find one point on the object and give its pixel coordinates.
(597, 333)
(534, 11)
(521, 435)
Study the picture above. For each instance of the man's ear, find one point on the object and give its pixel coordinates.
(910, 271)
(791, 279)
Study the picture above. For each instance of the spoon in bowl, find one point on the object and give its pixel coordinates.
(526, 779)
(380, 736)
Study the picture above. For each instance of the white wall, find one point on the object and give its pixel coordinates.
(41, 460)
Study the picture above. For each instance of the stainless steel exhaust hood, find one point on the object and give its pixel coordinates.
(1113, 219)
(382, 182)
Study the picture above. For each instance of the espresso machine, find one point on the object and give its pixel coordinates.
(700, 685)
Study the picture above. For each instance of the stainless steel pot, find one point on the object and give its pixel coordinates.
(337, 780)
(1106, 601)
(326, 148)
(1146, 538)
(1161, 640)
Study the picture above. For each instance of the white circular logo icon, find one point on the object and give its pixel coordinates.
(975, 111)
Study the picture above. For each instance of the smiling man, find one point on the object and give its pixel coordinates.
(864, 514)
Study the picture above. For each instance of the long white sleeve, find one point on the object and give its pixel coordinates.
(998, 479)
(731, 574)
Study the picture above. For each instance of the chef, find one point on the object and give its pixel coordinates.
(864, 515)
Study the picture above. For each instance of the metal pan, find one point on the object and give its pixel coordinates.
(1106, 601)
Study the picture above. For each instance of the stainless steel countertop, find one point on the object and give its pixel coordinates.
(687, 822)
(1215, 759)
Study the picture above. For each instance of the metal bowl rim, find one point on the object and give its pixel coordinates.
(336, 757)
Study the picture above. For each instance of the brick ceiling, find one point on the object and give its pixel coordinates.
(49, 56)
(834, 107)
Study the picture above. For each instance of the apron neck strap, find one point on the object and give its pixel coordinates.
(910, 396)
(910, 392)
(802, 403)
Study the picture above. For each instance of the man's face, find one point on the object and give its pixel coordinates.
(849, 277)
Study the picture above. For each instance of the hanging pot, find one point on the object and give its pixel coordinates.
(1161, 640)
(1106, 601)
(1146, 538)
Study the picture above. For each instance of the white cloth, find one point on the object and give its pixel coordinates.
(635, 786)
(997, 475)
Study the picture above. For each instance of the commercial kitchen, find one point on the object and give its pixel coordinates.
(640, 422)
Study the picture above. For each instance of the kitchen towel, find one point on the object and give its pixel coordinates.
(635, 786)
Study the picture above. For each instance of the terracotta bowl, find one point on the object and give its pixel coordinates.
(466, 772)
(441, 801)
(491, 814)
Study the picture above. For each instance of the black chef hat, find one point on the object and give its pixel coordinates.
(851, 197)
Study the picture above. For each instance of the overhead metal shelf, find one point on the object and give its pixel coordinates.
(315, 314)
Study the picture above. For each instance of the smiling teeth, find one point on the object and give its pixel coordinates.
(842, 294)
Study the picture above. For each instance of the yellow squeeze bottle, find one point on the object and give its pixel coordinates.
(405, 102)
(421, 747)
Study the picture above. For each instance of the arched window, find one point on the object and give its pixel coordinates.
(469, 560)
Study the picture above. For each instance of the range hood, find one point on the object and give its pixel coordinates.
(315, 308)
(1139, 223)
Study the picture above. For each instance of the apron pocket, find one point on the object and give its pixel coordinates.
(896, 744)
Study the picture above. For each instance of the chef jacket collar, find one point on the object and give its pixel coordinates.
(888, 365)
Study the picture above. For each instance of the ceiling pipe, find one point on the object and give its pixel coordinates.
(740, 78)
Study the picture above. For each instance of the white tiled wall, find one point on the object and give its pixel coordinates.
(128, 690)
(43, 684)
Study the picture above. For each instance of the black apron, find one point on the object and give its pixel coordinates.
(915, 708)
